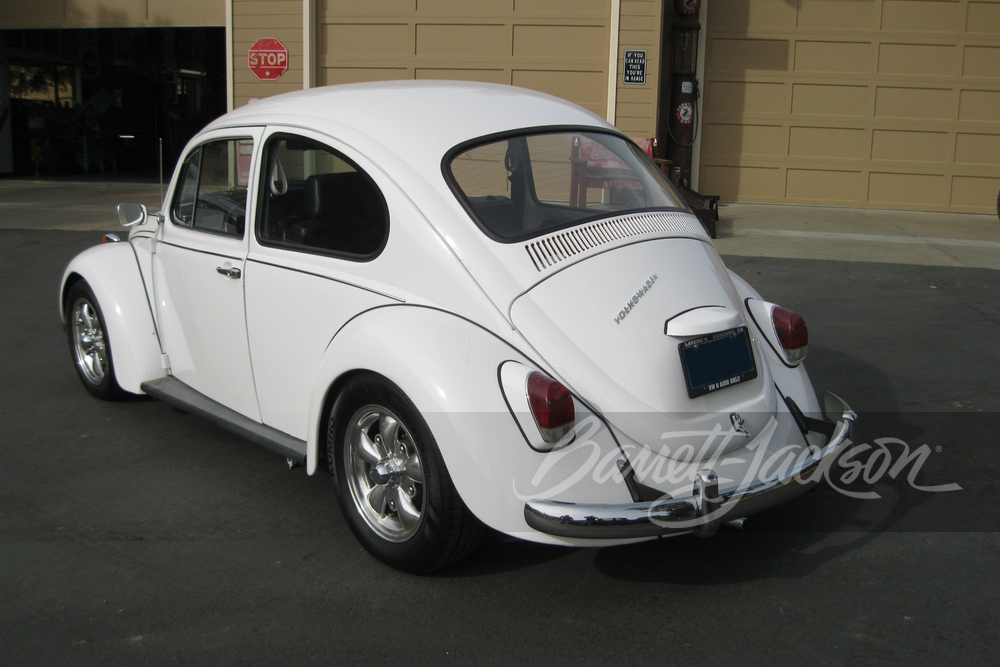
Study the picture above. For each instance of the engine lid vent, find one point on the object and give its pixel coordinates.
(550, 250)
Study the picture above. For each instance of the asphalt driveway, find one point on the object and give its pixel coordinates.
(132, 533)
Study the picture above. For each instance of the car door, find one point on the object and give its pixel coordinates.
(198, 270)
(320, 229)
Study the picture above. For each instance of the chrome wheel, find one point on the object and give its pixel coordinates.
(384, 473)
(89, 347)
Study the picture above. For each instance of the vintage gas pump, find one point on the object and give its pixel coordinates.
(681, 120)
(678, 122)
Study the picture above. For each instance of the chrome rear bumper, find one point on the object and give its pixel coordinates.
(705, 509)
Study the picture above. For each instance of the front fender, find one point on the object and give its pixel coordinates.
(112, 271)
(449, 368)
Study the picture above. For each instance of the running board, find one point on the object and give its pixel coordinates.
(176, 393)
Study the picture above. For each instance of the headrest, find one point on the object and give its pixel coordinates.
(328, 193)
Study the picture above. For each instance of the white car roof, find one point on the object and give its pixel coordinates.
(405, 128)
(417, 120)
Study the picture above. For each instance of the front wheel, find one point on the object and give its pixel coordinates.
(392, 484)
(89, 344)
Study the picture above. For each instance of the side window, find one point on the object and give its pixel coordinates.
(316, 200)
(184, 200)
(213, 190)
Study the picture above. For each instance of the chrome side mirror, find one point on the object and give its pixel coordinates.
(130, 215)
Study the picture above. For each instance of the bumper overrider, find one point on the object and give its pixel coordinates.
(707, 507)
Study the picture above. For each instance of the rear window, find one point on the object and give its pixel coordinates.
(522, 186)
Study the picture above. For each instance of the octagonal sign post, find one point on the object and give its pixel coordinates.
(267, 59)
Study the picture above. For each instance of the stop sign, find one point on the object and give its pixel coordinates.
(267, 59)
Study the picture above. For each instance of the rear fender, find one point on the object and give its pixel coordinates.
(112, 271)
(792, 381)
(449, 367)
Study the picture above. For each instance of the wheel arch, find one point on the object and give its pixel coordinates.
(333, 393)
(447, 367)
(112, 272)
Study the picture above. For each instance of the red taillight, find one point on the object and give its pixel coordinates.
(552, 406)
(792, 332)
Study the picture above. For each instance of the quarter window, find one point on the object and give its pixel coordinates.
(317, 200)
(213, 187)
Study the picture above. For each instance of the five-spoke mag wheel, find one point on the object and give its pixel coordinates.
(392, 482)
(384, 472)
(88, 342)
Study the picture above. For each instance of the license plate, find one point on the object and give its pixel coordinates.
(717, 361)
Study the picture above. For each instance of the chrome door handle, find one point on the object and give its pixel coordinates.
(229, 273)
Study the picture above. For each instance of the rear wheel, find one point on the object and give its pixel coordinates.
(392, 484)
(89, 344)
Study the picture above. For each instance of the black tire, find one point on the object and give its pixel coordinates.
(89, 344)
(397, 497)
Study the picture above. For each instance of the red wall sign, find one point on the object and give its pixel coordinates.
(267, 59)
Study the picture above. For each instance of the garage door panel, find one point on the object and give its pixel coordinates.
(463, 40)
(825, 185)
(836, 14)
(756, 13)
(369, 8)
(374, 40)
(588, 89)
(489, 6)
(918, 59)
(831, 100)
(841, 57)
(750, 54)
(922, 15)
(981, 61)
(981, 105)
(481, 75)
(735, 182)
(562, 6)
(974, 191)
(979, 149)
(335, 75)
(908, 189)
(726, 98)
(925, 103)
(560, 41)
(911, 145)
(729, 140)
(828, 142)
(983, 18)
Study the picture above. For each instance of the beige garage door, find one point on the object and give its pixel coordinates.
(874, 103)
(530, 43)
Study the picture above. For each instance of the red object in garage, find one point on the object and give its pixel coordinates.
(267, 59)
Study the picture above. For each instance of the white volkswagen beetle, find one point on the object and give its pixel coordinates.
(474, 305)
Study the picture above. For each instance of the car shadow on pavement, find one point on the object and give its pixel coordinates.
(498, 553)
